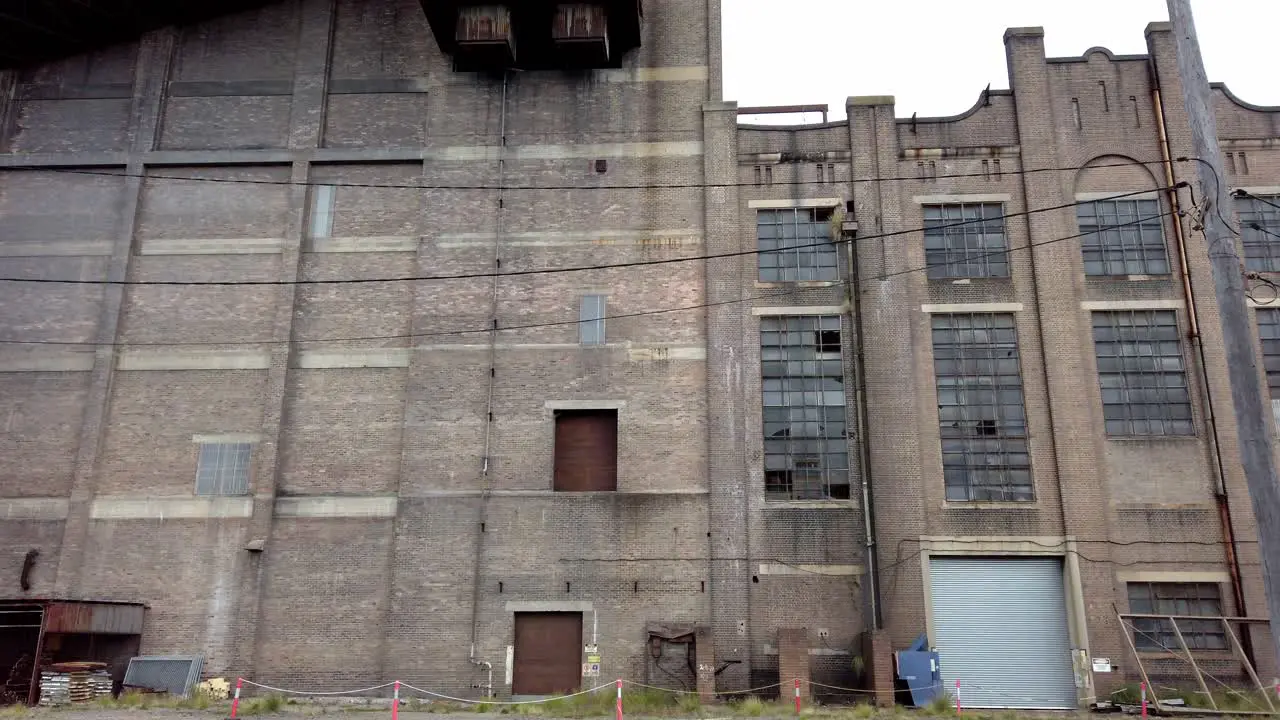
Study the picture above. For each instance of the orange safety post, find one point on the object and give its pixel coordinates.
(235, 701)
(959, 711)
(395, 700)
(619, 699)
(797, 696)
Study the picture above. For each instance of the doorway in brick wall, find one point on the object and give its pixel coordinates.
(548, 653)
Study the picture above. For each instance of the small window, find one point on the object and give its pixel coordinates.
(591, 320)
(322, 210)
(1260, 230)
(795, 245)
(223, 469)
(1155, 635)
(586, 451)
(965, 240)
(1122, 237)
(1140, 370)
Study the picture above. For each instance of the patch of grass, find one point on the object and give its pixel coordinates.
(15, 711)
(942, 704)
(689, 704)
(266, 705)
(748, 707)
(863, 711)
(483, 707)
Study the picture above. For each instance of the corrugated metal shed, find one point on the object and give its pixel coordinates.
(63, 616)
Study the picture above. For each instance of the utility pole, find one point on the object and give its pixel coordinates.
(1256, 451)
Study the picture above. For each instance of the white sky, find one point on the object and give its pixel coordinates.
(936, 56)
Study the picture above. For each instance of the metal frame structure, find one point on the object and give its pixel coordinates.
(1233, 640)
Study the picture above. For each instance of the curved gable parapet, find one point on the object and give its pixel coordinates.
(1087, 55)
(1226, 92)
(1114, 173)
(973, 110)
(989, 122)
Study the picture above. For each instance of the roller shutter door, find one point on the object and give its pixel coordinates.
(1000, 627)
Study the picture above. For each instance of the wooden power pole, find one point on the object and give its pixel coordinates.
(1257, 453)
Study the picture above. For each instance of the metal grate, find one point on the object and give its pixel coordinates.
(174, 674)
(223, 469)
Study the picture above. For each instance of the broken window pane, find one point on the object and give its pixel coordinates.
(806, 449)
(965, 241)
(795, 245)
(1142, 380)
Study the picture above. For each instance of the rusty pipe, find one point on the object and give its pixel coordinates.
(1224, 505)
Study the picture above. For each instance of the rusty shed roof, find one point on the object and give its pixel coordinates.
(85, 616)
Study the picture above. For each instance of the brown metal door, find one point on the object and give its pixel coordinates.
(548, 653)
(586, 452)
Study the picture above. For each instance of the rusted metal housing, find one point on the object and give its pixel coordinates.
(581, 33)
(484, 36)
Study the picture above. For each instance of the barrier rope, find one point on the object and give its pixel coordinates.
(695, 692)
(473, 701)
(316, 692)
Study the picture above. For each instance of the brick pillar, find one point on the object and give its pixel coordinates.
(706, 649)
(877, 654)
(793, 661)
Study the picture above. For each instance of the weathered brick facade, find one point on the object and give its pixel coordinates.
(400, 508)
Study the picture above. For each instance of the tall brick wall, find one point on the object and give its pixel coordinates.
(400, 525)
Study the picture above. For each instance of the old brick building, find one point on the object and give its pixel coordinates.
(305, 366)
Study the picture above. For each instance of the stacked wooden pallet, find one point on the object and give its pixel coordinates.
(77, 682)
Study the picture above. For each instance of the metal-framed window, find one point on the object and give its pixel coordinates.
(806, 450)
(1262, 243)
(591, 320)
(223, 468)
(1269, 336)
(795, 245)
(1125, 237)
(1141, 373)
(321, 221)
(1176, 599)
(982, 419)
(965, 240)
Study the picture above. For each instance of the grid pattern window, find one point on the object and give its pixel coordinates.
(1269, 335)
(1123, 237)
(1152, 634)
(795, 245)
(806, 450)
(322, 197)
(1140, 369)
(591, 320)
(965, 241)
(1260, 230)
(223, 469)
(981, 415)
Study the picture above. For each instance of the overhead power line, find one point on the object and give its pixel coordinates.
(542, 271)
(509, 188)
(448, 333)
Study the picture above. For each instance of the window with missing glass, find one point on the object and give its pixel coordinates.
(1141, 372)
(223, 468)
(1269, 335)
(321, 220)
(1184, 599)
(1122, 237)
(591, 320)
(806, 450)
(981, 415)
(1260, 232)
(795, 245)
(965, 241)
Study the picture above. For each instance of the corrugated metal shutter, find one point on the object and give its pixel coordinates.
(586, 456)
(1000, 627)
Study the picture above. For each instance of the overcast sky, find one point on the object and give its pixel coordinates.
(936, 56)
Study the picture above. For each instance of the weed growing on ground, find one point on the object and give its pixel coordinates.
(266, 705)
(748, 707)
(943, 704)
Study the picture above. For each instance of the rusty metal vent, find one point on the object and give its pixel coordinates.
(484, 23)
(174, 674)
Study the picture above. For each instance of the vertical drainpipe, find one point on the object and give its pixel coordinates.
(486, 479)
(1193, 318)
(853, 294)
